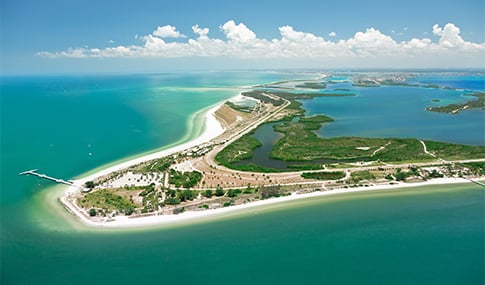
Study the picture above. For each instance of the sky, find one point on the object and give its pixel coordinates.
(72, 36)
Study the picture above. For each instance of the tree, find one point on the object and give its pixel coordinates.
(129, 211)
(219, 192)
(92, 212)
(208, 193)
(90, 184)
(401, 176)
(231, 193)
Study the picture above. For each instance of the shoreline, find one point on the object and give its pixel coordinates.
(127, 222)
(211, 129)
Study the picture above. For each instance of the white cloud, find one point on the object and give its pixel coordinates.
(370, 46)
(167, 32)
(332, 34)
(238, 33)
(201, 32)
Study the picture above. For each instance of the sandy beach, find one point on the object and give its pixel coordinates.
(159, 220)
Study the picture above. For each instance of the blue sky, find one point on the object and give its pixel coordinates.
(56, 36)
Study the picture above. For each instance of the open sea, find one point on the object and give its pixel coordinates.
(66, 126)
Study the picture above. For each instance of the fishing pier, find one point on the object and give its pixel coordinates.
(34, 172)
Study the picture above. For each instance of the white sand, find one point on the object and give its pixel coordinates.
(127, 222)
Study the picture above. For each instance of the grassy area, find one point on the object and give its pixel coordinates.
(358, 176)
(300, 143)
(239, 150)
(455, 151)
(107, 200)
(158, 165)
(184, 179)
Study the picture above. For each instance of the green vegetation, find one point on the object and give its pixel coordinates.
(177, 211)
(437, 86)
(294, 96)
(175, 197)
(108, 201)
(391, 82)
(317, 119)
(274, 97)
(312, 85)
(220, 192)
(358, 176)
(402, 150)
(158, 165)
(90, 184)
(455, 151)
(323, 175)
(456, 108)
(300, 143)
(403, 175)
(185, 179)
(309, 166)
(232, 193)
(208, 193)
(92, 212)
(270, 191)
(259, 95)
(239, 150)
(245, 109)
(477, 168)
(251, 167)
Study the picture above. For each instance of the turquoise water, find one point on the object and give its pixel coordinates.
(390, 111)
(66, 126)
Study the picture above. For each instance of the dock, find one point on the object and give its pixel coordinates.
(34, 172)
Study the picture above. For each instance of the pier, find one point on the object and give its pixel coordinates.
(476, 182)
(43, 176)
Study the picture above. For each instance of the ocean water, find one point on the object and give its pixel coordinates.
(67, 126)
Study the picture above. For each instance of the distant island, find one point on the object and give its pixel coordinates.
(211, 174)
(478, 103)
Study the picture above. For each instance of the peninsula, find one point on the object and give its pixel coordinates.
(213, 173)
